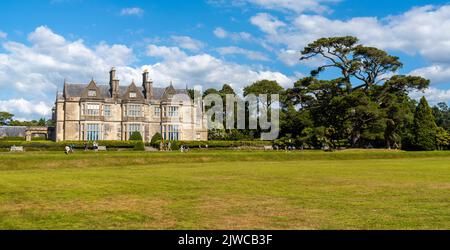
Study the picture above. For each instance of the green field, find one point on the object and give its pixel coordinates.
(225, 190)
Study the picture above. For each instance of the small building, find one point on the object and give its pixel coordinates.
(91, 112)
(13, 131)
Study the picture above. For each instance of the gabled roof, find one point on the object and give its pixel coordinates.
(76, 90)
(132, 88)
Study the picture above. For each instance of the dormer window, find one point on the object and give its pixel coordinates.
(92, 93)
(132, 94)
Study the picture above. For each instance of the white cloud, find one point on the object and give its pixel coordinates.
(267, 23)
(3, 35)
(436, 73)
(134, 11)
(420, 31)
(433, 95)
(205, 70)
(220, 32)
(21, 107)
(235, 36)
(250, 54)
(32, 72)
(297, 6)
(188, 43)
(168, 53)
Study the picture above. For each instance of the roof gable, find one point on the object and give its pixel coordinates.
(128, 95)
(91, 88)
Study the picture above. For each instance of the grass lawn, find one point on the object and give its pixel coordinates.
(225, 190)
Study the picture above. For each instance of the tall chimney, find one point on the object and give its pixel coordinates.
(113, 83)
(147, 84)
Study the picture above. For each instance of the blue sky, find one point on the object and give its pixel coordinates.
(203, 42)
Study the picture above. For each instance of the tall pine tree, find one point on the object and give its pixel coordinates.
(424, 127)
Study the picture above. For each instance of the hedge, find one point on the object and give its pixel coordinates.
(50, 145)
(131, 145)
(12, 138)
(225, 144)
(175, 145)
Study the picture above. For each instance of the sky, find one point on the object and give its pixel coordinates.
(203, 43)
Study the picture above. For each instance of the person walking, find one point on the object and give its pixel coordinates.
(67, 150)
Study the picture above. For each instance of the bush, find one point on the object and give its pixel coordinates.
(175, 145)
(12, 138)
(156, 140)
(55, 146)
(136, 136)
(225, 144)
(139, 146)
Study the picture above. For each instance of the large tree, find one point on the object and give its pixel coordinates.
(5, 117)
(367, 64)
(364, 103)
(424, 127)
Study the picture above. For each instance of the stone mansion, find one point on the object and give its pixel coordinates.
(91, 112)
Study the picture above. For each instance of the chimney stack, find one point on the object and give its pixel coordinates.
(147, 84)
(113, 83)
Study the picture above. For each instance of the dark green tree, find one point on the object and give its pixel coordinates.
(424, 127)
(262, 87)
(5, 117)
(442, 114)
(135, 136)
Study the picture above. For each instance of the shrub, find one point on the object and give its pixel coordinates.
(136, 136)
(55, 146)
(139, 146)
(156, 140)
(225, 144)
(175, 145)
(12, 138)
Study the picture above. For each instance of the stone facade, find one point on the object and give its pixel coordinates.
(90, 112)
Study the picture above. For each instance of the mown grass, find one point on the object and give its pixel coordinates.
(360, 189)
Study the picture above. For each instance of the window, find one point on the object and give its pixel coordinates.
(92, 109)
(134, 110)
(157, 111)
(170, 132)
(92, 132)
(107, 110)
(132, 94)
(173, 111)
(133, 128)
(92, 93)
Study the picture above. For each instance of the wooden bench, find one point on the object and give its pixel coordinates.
(16, 149)
(101, 148)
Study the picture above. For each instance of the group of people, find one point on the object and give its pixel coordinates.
(69, 149)
(165, 146)
(184, 148)
(286, 148)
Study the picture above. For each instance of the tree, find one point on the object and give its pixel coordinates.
(5, 117)
(398, 107)
(135, 136)
(442, 114)
(424, 127)
(41, 122)
(442, 138)
(366, 64)
(372, 63)
(337, 51)
(262, 87)
(363, 104)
